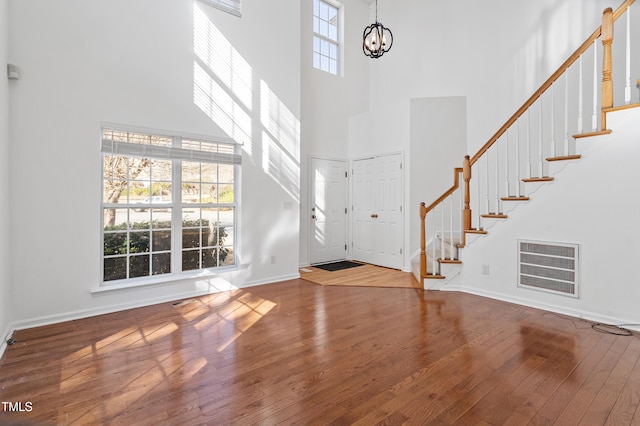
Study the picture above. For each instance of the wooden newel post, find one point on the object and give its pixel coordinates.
(466, 175)
(423, 241)
(607, 81)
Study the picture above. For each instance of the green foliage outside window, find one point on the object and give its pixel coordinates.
(209, 252)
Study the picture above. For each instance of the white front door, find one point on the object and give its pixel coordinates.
(328, 210)
(377, 211)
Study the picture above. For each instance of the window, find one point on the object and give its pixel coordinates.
(168, 204)
(232, 6)
(325, 36)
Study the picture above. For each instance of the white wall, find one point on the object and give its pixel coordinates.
(495, 53)
(329, 101)
(5, 224)
(571, 210)
(133, 63)
(437, 143)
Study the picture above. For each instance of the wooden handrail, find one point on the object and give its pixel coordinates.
(623, 7)
(456, 185)
(565, 65)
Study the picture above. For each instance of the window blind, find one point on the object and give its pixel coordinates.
(117, 142)
(231, 6)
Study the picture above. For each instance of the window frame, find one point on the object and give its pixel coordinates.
(338, 42)
(176, 204)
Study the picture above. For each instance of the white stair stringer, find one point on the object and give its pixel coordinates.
(415, 267)
(591, 202)
(451, 280)
(556, 168)
(449, 270)
(453, 272)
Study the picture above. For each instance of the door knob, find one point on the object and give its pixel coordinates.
(313, 216)
(374, 216)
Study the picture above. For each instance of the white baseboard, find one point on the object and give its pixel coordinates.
(3, 344)
(576, 313)
(272, 280)
(86, 313)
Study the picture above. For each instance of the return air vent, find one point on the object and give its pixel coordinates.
(551, 267)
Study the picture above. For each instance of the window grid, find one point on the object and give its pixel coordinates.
(326, 37)
(148, 230)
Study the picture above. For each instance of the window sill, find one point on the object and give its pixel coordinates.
(170, 279)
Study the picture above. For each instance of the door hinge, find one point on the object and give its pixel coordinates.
(345, 246)
(345, 210)
(400, 166)
(400, 251)
(400, 208)
(345, 174)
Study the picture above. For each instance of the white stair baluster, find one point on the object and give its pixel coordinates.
(518, 158)
(594, 117)
(580, 94)
(529, 159)
(442, 233)
(487, 206)
(507, 192)
(541, 140)
(627, 87)
(451, 227)
(565, 149)
(498, 176)
(434, 258)
(553, 129)
(478, 198)
(461, 215)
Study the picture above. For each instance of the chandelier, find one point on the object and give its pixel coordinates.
(376, 39)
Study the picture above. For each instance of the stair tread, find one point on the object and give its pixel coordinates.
(452, 261)
(495, 216)
(539, 179)
(475, 231)
(588, 134)
(564, 158)
(434, 277)
(515, 198)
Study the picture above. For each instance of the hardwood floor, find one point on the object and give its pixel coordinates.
(361, 276)
(299, 353)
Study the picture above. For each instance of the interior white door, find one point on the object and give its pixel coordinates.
(377, 211)
(363, 198)
(328, 210)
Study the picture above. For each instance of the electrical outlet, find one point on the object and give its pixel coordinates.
(485, 269)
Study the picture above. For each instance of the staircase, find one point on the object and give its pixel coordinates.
(528, 151)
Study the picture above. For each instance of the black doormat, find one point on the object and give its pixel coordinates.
(338, 266)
